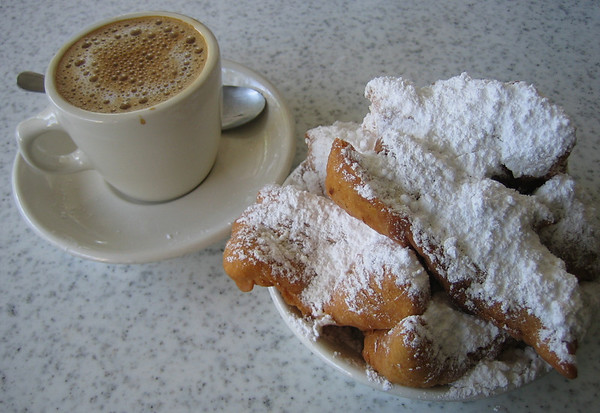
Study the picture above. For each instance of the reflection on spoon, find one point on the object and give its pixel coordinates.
(240, 104)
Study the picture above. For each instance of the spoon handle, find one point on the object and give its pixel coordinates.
(31, 81)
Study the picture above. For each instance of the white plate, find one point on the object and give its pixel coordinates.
(342, 354)
(82, 215)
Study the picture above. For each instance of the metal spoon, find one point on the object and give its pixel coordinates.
(240, 104)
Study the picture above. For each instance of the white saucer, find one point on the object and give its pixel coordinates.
(82, 215)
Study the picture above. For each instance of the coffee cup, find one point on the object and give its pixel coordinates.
(139, 95)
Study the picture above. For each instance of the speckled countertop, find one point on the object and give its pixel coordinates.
(77, 335)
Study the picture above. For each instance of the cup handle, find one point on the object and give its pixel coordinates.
(31, 129)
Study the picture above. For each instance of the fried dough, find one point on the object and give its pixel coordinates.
(466, 177)
(323, 261)
(494, 129)
(574, 233)
(437, 347)
(476, 236)
(319, 140)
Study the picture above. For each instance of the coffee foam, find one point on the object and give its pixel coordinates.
(131, 64)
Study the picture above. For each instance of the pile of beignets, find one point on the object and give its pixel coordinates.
(445, 228)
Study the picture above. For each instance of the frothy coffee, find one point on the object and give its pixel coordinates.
(131, 64)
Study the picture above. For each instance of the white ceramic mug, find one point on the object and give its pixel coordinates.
(152, 154)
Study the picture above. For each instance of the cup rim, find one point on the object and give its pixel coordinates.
(212, 63)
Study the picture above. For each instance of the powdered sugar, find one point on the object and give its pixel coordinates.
(309, 328)
(438, 346)
(485, 231)
(375, 377)
(293, 226)
(574, 234)
(484, 124)
(319, 141)
(441, 144)
(455, 336)
(513, 369)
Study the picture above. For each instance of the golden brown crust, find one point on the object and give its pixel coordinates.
(408, 366)
(342, 176)
(248, 273)
(382, 304)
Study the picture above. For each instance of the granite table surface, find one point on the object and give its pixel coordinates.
(177, 335)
